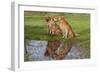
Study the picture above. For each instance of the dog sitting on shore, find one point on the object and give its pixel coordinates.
(57, 25)
(64, 26)
(53, 29)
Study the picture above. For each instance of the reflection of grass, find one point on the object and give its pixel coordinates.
(36, 27)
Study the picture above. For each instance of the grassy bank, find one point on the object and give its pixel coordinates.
(36, 27)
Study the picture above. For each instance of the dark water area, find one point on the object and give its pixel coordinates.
(37, 50)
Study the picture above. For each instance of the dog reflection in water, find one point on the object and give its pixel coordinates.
(57, 49)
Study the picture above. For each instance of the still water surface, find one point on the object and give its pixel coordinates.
(38, 50)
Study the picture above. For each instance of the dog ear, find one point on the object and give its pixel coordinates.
(47, 18)
(61, 17)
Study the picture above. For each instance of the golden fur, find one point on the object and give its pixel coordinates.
(65, 27)
(53, 30)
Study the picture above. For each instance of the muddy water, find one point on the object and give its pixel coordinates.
(51, 50)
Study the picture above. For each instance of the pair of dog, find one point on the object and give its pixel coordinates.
(57, 25)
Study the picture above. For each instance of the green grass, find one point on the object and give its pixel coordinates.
(36, 27)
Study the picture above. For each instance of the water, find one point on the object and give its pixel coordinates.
(51, 50)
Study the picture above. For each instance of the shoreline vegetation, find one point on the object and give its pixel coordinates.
(36, 27)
